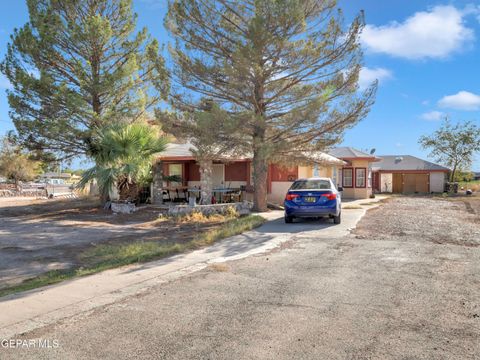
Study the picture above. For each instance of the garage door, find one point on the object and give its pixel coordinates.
(411, 183)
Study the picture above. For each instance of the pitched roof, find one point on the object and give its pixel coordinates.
(178, 150)
(174, 150)
(349, 153)
(56, 175)
(406, 162)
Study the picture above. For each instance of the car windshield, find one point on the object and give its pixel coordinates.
(311, 185)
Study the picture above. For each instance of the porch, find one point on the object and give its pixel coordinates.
(230, 181)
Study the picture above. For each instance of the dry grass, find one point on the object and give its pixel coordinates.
(472, 185)
(199, 217)
(107, 256)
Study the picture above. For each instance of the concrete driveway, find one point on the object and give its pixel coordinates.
(321, 293)
(29, 310)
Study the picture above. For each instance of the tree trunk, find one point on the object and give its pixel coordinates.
(206, 181)
(260, 173)
(157, 183)
(452, 176)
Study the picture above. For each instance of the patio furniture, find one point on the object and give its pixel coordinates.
(195, 192)
(221, 194)
(179, 193)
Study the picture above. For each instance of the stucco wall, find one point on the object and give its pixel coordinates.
(386, 182)
(305, 172)
(357, 193)
(279, 189)
(437, 181)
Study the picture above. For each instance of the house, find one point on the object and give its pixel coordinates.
(54, 178)
(356, 174)
(406, 174)
(476, 176)
(236, 172)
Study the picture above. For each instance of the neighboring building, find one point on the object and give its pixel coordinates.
(73, 180)
(53, 178)
(406, 174)
(476, 176)
(356, 174)
(237, 172)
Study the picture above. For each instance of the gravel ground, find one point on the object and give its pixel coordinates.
(429, 219)
(406, 285)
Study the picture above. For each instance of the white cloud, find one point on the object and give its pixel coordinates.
(4, 83)
(433, 116)
(426, 102)
(369, 75)
(428, 34)
(463, 100)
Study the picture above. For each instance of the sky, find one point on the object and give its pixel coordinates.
(425, 54)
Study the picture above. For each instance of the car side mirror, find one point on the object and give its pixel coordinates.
(340, 188)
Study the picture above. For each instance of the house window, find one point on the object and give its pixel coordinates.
(360, 177)
(175, 169)
(347, 177)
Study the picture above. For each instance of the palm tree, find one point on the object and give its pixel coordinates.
(123, 155)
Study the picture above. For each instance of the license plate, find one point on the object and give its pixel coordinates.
(310, 199)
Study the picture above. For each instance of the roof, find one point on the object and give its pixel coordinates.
(178, 150)
(184, 152)
(55, 175)
(322, 158)
(406, 162)
(350, 153)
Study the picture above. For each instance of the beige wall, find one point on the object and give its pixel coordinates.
(386, 182)
(437, 181)
(358, 193)
(305, 172)
(279, 190)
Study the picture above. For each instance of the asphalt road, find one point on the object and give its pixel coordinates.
(315, 297)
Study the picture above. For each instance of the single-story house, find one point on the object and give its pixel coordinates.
(406, 174)
(356, 174)
(54, 178)
(237, 172)
(476, 176)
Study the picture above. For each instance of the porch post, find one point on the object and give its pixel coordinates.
(205, 181)
(157, 183)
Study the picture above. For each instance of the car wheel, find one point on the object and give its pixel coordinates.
(337, 219)
(288, 219)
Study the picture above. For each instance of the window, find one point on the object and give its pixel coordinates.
(347, 177)
(360, 177)
(175, 169)
(311, 185)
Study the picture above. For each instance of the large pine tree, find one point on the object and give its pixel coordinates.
(287, 70)
(76, 66)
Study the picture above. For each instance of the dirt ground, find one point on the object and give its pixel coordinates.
(442, 221)
(42, 235)
(404, 285)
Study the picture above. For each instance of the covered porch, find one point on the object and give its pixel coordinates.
(230, 180)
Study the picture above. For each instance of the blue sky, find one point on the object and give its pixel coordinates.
(426, 55)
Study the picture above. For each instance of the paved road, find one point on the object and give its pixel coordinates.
(314, 297)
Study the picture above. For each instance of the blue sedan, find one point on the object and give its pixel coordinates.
(313, 197)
